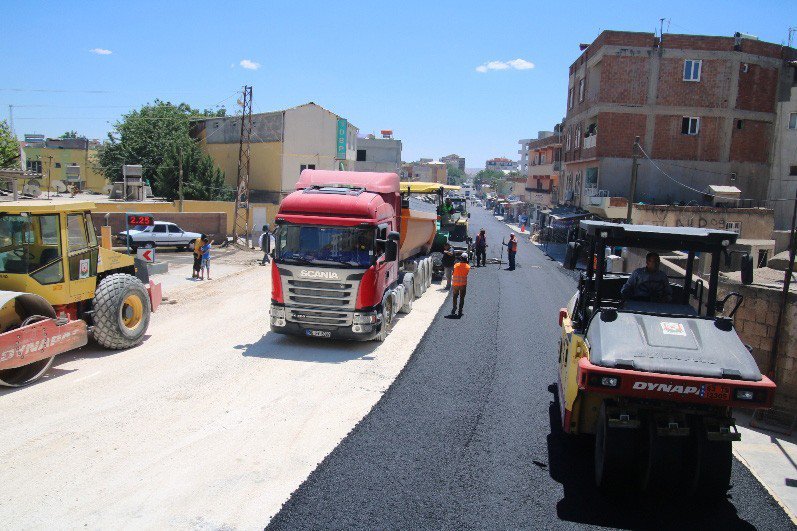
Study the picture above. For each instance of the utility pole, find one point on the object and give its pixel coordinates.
(773, 354)
(49, 174)
(180, 175)
(632, 191)
(241, 222)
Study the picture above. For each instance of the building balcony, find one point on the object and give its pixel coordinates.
(590, 141)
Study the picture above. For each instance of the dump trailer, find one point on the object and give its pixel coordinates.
(59, 286)
(351, 252)
(654, 375)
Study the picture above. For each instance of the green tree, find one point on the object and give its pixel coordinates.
(9, 146)
(455, 175)
(69, 134)
(147, 136)
(201, 179)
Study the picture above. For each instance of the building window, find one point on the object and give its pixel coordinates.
(793, 119)
(692, 69)
(570, 99)
(567, 142)
(578, 137)
(34, 166)
(360, 155)
(690, 125)
(581, 90)
(542, 159)
(57, 164)
(306, 167)
(792, 171)
(734, 226)
(739, 124)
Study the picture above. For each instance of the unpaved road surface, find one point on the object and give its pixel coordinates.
(211, 423)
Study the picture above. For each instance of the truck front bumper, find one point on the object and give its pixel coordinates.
(365, 326)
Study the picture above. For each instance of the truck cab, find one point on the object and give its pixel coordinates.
(336, 270)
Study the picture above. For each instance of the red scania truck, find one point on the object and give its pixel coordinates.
(350, 254)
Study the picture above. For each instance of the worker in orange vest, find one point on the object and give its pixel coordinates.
(511, 251)
(460, 283)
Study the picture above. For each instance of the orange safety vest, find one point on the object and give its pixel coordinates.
(460, 275)
(513, 246)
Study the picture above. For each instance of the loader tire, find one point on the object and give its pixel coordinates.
(121, 311)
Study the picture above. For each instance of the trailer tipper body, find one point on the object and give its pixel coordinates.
(350, 254)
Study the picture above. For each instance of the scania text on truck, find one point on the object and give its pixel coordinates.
(350, 254)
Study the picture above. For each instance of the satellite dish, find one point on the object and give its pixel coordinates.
(58, 186)
(32, 188)
(107, 189)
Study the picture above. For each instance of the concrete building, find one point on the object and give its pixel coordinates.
(454, 160)
(70, 160)
(783, 179)
(378, 154)
(543, 173)
(704, 109)
(524, 150)
(500, 164)
(429, 172)
(283, 144)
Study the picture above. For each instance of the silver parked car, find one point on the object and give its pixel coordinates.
(161, 234)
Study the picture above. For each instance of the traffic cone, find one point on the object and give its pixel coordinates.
(523, 228)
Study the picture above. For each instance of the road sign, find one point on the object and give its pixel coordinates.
(147, 255)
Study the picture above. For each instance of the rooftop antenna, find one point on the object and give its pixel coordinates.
(792, 30)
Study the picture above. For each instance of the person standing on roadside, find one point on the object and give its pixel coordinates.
(460, 283)
(198, 255)
(205, 258)
(511, 251)
(480, 244)
(265, 245)
(448, 263)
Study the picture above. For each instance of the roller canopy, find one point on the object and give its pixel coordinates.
(414, 187)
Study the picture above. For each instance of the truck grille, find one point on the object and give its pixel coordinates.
(321, 303)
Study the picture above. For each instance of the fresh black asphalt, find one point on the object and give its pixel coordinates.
(467, 436)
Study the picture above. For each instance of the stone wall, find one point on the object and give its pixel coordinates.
(755, 323)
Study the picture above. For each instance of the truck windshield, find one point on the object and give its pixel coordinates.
(352, 246)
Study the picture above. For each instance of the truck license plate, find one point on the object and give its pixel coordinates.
(718, 392)
(318, 333)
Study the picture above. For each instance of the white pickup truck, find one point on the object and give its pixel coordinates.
(161, 234)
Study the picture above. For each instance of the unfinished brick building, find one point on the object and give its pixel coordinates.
(703, 107)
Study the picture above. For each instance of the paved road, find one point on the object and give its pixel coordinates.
(466, 437)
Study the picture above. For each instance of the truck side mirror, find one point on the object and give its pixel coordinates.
(391, 251)
(393, 236)
(747, 269)
(571, 255)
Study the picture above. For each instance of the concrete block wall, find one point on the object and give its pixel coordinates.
(755, 323)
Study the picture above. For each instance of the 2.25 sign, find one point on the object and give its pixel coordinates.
(139, 220)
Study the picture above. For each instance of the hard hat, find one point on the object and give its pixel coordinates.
(464, 255)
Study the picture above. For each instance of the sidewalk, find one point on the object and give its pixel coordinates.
(772, 458)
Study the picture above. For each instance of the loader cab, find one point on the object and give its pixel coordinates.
(48, 250)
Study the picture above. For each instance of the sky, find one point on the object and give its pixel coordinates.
(462, 77)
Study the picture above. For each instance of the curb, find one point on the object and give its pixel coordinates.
(775, 497)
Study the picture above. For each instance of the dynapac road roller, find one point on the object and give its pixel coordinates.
(655, 376)
(58, 285)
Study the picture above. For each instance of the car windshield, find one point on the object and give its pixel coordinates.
(352, 246)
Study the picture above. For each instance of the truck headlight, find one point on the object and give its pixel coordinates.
(365, 318)
(278, 315)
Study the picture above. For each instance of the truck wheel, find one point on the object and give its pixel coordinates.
(711, 463)
(409, 294)
(428, 262)
(387, 318)
(662, 464)
(121, 311)
(615, 452)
